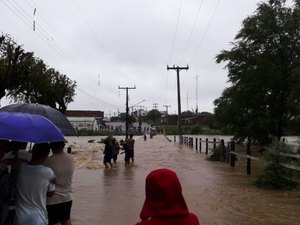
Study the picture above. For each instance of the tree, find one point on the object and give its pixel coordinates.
(131, 118)
(11, 56)
(153, 115)
(264, 72)
(25, 78)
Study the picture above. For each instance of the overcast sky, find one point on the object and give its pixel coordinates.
(129, 43)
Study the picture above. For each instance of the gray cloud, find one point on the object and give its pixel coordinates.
(130, 43)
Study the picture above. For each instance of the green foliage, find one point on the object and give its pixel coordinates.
(153, 115)
(122, 118)
(196, 129)
(25, 78)
(216, 154)
(171, 129)
(263, 69)
(190, 129)
(275, 175)
(86, 132)
(209, 120)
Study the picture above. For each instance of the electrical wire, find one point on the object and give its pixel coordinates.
(94, 36)
(19, 12)
(192, 31)
(175, 34)
(205, 32)
(51, 41)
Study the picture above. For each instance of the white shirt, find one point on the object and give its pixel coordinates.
(23, 155)
(63, 166)
(33, 183)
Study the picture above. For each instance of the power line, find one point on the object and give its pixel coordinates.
(97, 99)
(192, 31)
(205, 31)
(24, 17)
(175, 34)
(93, 34)
(55, 45)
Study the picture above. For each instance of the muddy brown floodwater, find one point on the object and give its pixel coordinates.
(216, 193)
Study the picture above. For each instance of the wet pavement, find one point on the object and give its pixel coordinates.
(216, 193)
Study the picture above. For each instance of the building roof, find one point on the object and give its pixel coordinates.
(83, 113)
(81, 119)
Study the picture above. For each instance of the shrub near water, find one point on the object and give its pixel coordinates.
(216, 154)
(275, 175)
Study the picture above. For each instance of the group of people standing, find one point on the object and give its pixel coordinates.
(35, 189)
(112, 149)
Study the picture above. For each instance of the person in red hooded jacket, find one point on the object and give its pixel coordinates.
(164, 203)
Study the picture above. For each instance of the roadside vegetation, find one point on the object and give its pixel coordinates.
(275, 175)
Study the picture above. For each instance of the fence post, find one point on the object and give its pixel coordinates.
(222, 151)
(196, 145)
(200, 145)
(232, 156)
(174, 138)
(228, 152)
(206, 148)
(215, 143)
(192, 140)
(248, 152)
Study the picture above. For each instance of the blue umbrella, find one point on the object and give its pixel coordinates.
(28, 128)
(55, 116)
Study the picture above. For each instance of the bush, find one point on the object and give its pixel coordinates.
(216, 154)
(275, 175)
(196, 129)
(86, 132)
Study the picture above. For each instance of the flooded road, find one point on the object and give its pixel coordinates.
(216, 193)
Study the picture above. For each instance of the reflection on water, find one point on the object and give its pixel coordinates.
(217, 193)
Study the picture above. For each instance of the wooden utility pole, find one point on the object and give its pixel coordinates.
(197, 93)
(177, 68)
(127, 108)
(167, 106)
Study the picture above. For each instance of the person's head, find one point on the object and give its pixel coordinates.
(17, 145)
(40, 151)
(163, 196)
(3, 147)
(22, 145)
(57, 146)
(108, 140)
(131, 135)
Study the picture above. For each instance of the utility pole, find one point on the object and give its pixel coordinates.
(177, 68)
(197, 93)
(155, 106)
(127, 108)
(187, 101)
(167, 106)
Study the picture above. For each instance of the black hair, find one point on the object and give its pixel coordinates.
(40, 150)
(57, 145)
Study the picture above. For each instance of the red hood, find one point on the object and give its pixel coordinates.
(163, 196)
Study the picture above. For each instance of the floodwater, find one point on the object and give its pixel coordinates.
(215, 192)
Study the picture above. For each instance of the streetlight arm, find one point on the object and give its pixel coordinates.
(136, 104)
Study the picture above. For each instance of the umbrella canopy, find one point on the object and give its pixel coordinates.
(28, 128)
(56, 117)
